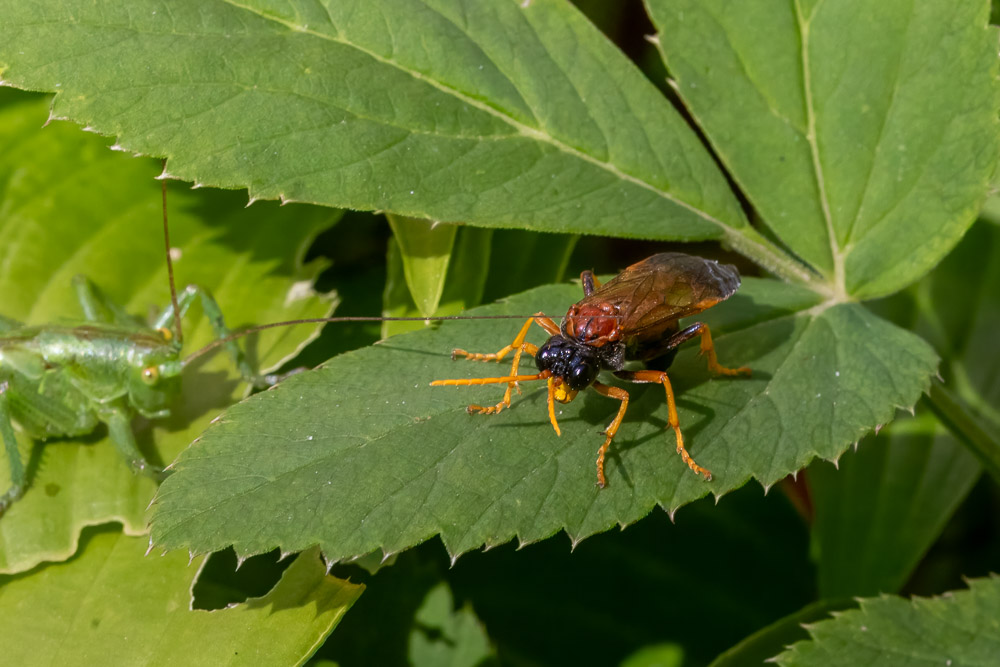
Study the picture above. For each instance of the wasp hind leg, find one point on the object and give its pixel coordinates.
(518, 346)
(659, 377)
(707, 348)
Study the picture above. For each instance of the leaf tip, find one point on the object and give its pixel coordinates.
(192, 555)
(149, 549)
(165, 175)
(766, 487)
(250, 201)
(652, 39)
(239, 561)
(282, 555)
(672, 512)
(117, 148)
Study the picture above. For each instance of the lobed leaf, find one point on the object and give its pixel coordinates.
(958, 628)
(70, 206)
(497, 113)
(111, 601)
(868, 145)
(361, 454)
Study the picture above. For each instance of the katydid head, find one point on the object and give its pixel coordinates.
(154, 380)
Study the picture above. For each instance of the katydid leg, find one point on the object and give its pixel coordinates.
(17, 475)
(96, 305)
(214, 314)
(118, 419)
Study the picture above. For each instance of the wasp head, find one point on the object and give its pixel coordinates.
(574, 364)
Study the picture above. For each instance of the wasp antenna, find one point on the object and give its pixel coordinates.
(170, 262)
(329, 320)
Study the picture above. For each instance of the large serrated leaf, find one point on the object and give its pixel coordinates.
(111, 601)
(959, 628)
(491, 112)
(866, 145)
(70, 206)
(361, 454)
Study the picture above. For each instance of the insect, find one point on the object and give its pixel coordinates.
(64, 380)
(632, 317)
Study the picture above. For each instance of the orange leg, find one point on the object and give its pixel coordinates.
(660, 377)
(621, 395)
(519, 347)
(707, 348)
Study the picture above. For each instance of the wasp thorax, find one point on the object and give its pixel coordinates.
(577, 365)
(592, 324)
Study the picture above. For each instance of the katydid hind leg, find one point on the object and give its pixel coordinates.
(16, 465)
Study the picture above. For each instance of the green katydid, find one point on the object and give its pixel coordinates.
(63, 380)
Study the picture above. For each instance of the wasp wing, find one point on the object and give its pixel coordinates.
(652, 294)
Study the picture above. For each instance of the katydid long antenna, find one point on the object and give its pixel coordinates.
(170, 262)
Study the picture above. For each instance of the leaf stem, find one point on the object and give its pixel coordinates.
(955, 415)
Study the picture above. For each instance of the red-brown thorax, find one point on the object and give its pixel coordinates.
(593, 324)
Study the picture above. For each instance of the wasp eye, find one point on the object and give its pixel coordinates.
(150, 375)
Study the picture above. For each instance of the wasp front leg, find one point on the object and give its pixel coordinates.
(519, 347)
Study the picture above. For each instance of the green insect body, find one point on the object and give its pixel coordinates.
(64, 380)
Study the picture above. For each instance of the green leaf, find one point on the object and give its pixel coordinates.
(879, 513)
(111, 601)
(443, 635)
(425, 248)
(361, 454)
(70, 206)
(462, 284)
(958, 628)
(868, 145)
(761, 645)
(494, 113)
